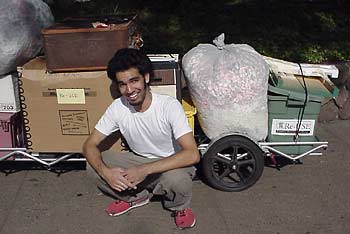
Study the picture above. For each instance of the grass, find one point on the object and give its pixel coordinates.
(303, 31)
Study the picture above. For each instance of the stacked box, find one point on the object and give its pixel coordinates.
(167, 75)
(9, 98)
(75, 45)
(8, 132)
(9, 117)
(61, 109)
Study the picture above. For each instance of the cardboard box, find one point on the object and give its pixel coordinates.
(62, 109)
(9, 100)
(7, 132)
(167, 75)
(169, 90)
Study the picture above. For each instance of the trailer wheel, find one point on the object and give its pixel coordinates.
(233, 163)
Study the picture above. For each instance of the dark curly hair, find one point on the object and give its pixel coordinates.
(127, 58)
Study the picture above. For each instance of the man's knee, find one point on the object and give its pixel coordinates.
(178, 181)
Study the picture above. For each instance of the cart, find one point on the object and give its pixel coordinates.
(233, 161)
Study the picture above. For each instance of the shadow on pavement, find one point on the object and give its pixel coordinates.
(10, 167)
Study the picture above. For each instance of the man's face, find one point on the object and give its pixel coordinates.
(132, 85)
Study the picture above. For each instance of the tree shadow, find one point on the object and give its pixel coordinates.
(11, 167)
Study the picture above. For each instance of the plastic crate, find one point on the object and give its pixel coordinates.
(190, 111)
(286, 101)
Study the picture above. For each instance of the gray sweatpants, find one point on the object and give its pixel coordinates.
(175, 185)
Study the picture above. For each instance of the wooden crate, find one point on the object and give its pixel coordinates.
(75, 45)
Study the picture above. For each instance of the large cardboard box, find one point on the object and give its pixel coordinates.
(61, 109)
(9, 100)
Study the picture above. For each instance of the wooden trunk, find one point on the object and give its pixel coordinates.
(75, 45)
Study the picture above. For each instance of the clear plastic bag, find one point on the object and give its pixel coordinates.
(228, 85)
(20, 31)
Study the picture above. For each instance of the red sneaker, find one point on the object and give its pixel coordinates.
(120, 207)
(184, 218)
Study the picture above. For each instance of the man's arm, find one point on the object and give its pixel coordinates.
(189, 155)
(115, 177)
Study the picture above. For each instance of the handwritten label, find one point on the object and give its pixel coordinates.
(74, 122)
(70, 96)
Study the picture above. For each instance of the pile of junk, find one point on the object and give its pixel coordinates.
(243, 107)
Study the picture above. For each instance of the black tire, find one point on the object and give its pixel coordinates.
(233, 163)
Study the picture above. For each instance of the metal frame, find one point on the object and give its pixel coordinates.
(30, 156)
(267, 147)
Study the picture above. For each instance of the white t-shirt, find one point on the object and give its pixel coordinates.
(151, 133)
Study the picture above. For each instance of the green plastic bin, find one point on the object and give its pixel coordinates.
(286, 99)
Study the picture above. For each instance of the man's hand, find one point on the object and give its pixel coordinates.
(117, 178)
(135, 175)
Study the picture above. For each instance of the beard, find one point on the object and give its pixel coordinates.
(142, 96)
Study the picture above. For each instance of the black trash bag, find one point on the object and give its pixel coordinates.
(21, 22)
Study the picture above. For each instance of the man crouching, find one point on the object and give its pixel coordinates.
(157, 131)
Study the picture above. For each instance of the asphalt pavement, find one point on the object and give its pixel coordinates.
(308, 198)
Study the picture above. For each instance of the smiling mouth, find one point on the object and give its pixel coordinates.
(133, 97)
